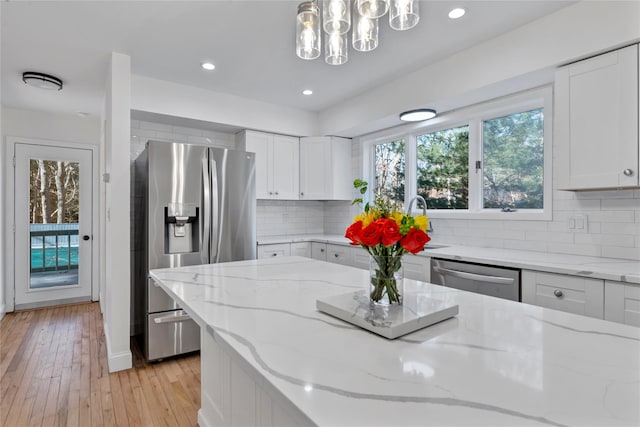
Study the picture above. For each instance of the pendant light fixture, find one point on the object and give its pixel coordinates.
(404, 14)
(308, 30)
(340, 16)
(41, 80)
(365, 32)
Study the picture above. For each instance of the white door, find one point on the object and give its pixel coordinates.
(53, 225)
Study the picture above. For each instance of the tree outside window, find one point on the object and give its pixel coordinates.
(443, 168)
(513, 161)
(390, 171)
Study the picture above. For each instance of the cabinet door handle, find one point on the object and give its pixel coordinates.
(558, 293)
(302, 193)
(270, 193)
(336, 255)
(274, 254)
(276, 193)
(628, 172)
(321, 250)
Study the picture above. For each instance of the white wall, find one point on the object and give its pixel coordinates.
(517, 60)
(116, 289)
(173, 99)
(2, 193)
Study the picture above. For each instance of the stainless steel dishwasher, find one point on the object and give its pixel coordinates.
(501, 282)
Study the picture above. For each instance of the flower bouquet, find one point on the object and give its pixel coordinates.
(387, 234)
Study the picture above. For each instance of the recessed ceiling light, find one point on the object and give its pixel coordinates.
(417, 115)
(208, 66)
(307, 92)
(456, 13)
(82, 114)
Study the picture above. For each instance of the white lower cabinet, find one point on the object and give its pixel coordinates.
(319, 251)
(301, 249)
(622, 303)
(360, 257)
(417, 267)
(339, 254)
(271, 251)
(573, 294)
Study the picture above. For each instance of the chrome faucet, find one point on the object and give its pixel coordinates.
(424, 210)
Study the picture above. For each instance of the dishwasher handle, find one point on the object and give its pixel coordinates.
(472, 276)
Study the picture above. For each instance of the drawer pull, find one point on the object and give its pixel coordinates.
(558, 293)
(321, 250)
(274, 254)
(336, 255)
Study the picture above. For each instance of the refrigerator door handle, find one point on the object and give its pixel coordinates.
(213, 246)
(179, 316)
(206, 212)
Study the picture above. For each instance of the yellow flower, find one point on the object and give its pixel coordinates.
(397, 217)
(422, 222)
(366, 217)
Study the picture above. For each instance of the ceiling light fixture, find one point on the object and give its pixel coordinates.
(337, 21)
(456, 13)
(41, 81)
(307, 92)
(208, 66)
(417, 115)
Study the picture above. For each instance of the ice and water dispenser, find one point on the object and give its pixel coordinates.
(181, 228)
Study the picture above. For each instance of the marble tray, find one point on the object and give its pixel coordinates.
(417, 311)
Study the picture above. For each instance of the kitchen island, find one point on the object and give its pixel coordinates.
(270, 358)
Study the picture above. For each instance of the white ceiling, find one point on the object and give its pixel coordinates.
(251, 43)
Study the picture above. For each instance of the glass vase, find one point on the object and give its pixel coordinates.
(386, 275)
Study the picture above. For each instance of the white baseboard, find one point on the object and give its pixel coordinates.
(3, 311)
(202, 421)
(117, 361)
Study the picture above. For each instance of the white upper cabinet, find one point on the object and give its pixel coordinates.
(325, 168)
(277, 164)
(596, 122)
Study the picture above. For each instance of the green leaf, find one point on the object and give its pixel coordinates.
(356, 201)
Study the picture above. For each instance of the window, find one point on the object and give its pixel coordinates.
(491, 160)
(513, 161)
(443, 168)
(390, 170)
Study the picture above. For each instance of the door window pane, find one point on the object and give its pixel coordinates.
(513, 163)
(443, 168)
(390, 171)
(54, 218)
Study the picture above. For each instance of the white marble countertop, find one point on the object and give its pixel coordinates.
(497, 363)
(620, 270)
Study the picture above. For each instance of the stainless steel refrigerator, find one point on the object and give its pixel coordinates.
(192, 205)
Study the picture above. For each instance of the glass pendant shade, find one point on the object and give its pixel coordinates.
(308, 31)
(335, 48)
(364, 33)
(336, 16)
(372, 8)
(404, 14)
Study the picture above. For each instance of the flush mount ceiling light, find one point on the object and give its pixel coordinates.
(41, 81)
(417, 115)
(307, 92)
(336, 23)
(208, 66)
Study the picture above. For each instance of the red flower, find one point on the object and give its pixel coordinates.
(353, 232)
(390, 232)
(372, 234)
(414, 241)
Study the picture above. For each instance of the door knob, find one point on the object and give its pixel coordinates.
(85, 237)
(627, 172)
(558, 293)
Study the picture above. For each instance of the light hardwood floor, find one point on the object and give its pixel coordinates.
(53, 368)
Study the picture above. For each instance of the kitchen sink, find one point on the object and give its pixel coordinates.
(426, 248)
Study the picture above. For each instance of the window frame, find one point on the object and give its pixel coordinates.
(473, 116)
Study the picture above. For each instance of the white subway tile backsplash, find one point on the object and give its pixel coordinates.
(186, 131)
(605, 195)
(525, 245)
(632, 229)
(611, 216)
(568, 248)
(621, 204)
(621, 252)
(156, 126)
(576, 205)
(549, 236)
